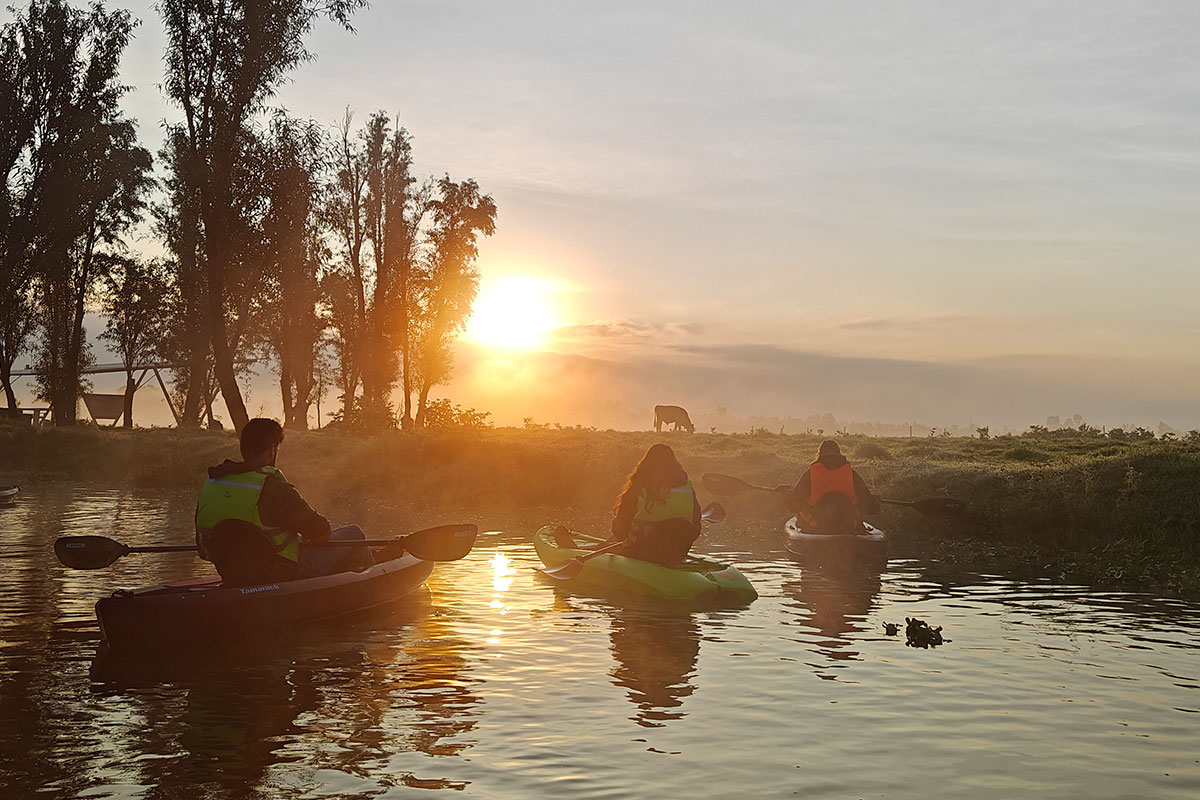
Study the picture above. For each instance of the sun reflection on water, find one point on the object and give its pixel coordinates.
(503, 575)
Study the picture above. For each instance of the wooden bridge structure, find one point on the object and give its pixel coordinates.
(106, 406)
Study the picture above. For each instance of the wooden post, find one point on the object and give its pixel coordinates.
(166, 396)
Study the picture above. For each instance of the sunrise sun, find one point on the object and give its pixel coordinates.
(513, 313)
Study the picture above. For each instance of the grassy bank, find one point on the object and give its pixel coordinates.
(1123, 514)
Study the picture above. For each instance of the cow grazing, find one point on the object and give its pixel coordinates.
(667, 415)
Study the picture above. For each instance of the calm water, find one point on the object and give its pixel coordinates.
(498, 683)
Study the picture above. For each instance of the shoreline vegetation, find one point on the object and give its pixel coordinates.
(1085, 510)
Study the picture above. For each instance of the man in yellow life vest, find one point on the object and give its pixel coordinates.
(250, 521)
(830, 497)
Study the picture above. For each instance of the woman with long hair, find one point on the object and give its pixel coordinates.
(657, 513)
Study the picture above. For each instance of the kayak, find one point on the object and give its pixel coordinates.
(8, 494)
(866, 548)
(201, 610)
(697, 578)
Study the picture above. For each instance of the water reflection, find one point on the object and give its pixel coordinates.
(655, 657)
(837, 606)
(500, 684)
(348, 697)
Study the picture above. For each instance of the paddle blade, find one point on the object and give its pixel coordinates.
(725, 485)
(940, 507)
(713, 512)
(443, 543)
(566, 570)
(88, 552)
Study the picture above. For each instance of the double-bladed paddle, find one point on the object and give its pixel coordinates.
(713, 512)
(442, 543)
(936, 507)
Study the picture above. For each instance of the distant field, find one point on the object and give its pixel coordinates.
(1087, 509)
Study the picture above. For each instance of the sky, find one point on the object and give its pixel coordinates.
(938, 212)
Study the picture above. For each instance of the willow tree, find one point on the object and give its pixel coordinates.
(459, 215)
(225, 59)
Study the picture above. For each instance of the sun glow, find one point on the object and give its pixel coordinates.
(513, 313)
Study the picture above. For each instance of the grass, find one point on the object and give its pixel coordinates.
(1091, 510)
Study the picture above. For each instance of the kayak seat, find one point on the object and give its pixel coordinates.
(244, 556)
(834, 514)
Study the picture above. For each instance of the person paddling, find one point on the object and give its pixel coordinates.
(250, 521)
(830, 497)
(657, 513)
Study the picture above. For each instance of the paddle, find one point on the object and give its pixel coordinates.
(442, 543)
(713, 512)
(935, 507)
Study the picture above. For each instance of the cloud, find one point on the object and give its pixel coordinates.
(909, 323)
(627, 330)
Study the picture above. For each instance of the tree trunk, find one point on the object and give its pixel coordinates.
(195, 333)
(9, 394)
(406, 422)
(422, 401)
(130, 389)
(217, 263)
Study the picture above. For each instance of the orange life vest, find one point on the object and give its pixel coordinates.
(825, 481)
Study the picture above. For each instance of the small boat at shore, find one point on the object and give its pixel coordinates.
(866, 549)
(201, 611)
(696, 579)
(8, 494)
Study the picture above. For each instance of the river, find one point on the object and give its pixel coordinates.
(497, 682)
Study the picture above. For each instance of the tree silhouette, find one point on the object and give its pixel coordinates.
(460, 213)
(135, 292)
(80, 176)
(224, 60)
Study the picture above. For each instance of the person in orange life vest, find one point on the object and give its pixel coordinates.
(830, 497)
(657, 512)
(270, 518)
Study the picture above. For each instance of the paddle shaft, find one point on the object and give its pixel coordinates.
(184, 548)
(440, 543)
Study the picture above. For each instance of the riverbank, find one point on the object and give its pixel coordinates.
(1087, 510)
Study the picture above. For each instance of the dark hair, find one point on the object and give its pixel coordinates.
(657, 472)
(829, 448)
(259, 435)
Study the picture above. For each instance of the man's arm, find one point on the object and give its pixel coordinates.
(281, 506)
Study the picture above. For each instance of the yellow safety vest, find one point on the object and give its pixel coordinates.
(680, 503)
(235, 496)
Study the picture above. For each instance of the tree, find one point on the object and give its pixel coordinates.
(135, 294)
(395, 212)
(294, 154)
(186, 335)
(85, 171)
(375, 211)
(224, 59)
(17, 323)
(18, 204)
(459, 214)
